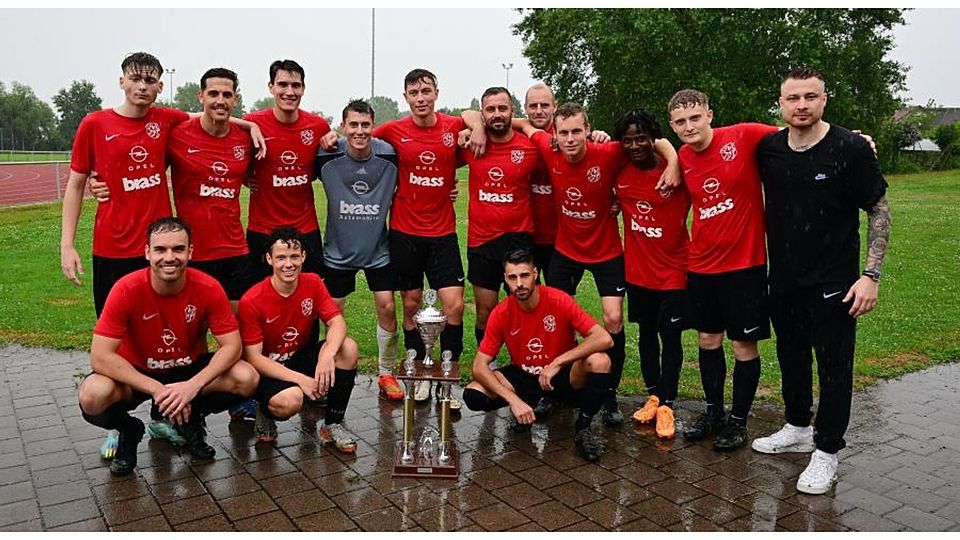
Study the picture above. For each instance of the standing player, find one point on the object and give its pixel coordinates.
(359, 178)
(538, 325)
(284, 194)
(499, 214)
(151, 342)
(655, 255)
(588, 236)
(423, 237)
(280, 340)
(727, 281)
(816, 177)
(539, 105)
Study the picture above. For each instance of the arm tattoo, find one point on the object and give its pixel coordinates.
(878, 233)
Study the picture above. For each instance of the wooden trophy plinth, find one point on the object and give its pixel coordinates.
(409, 460)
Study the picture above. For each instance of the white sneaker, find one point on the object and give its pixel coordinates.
(790, 438)
(421, 391)
(819, 475)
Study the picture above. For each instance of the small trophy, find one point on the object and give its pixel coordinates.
(430, 322)
(410, 362)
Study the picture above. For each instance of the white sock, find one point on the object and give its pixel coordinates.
(387, 350)
(831, 457)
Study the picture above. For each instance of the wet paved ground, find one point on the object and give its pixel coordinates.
(901, 470)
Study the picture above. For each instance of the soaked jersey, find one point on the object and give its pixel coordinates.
(543, 206)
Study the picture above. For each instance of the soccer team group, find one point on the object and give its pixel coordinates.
(544, 196)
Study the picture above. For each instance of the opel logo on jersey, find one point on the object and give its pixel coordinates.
(239, 152)
(306, 307)
(535, 345)
(574, 194)
(517, 156)
(290, 334)
(168, 337)
(550, 323)
(288, 157)
(427, 157)
(153, 130)
(495, 174)
(139, 154)
(711, 185)
(729, 151)
(447, 139)
(360, 187)
(190, 313)
(593, 174)
(306, 136)
(220, 168)
(644, 207)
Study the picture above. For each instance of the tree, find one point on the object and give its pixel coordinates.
(262, 103)
(384, 109)
(27, 123)
(613, 60)
(186, 99)
(238, 107)
(72, 105)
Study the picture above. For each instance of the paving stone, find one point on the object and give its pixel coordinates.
(716, 509)
(443, 518)
(126, 488)
(415, 499)
(384, 519)
(725, 488)
(573, 494)
(61, 493)
(607, 513)
(304, 503)
(287, 484)
(184, 510)
(150, 524)
(88, 525)
(591, 475)
(18, 512)
(497, 517)
(859, 519)
(271, 521)
(919, 520)
(216, 523)
(69, 512)
(125, 511)
(329, 520)
(21, 491)
(871, 502)
(251, 504)
(806, 522)
(493, 478)
(676, 491)
(552, 515)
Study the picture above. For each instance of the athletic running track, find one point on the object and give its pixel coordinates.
(31, 183)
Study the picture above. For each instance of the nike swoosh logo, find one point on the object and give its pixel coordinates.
(745, 331)
(621, 289)
(192, 150)
(148, 317)
(622, 187)
(675, 319)
(460, 280)
(514, 332)
(111, 137)
(405, 139)
(269, 138)
(273, 319)
(831, 295)
(687, 171)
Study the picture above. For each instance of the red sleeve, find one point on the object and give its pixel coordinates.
(325, 308)
(81, 159)
(324, 126)
(249, 314)
(219, 317)
(493, 335)
(543, 141)
(581, 320)
(753, 132)
(613, 151)
(385, 131)
(173, 116)
(113, 320)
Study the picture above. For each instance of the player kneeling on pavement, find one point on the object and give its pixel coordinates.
(151, 342)
(276, 318)
(537, 323)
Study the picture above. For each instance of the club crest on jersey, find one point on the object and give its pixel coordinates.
(427, 157)
(288, 157)
(168, 337)
(153, 130)
(550, 323)
(239, 152)
(643, 207)
(138, 154)
(517, 156)
(190, 313)
(306, 136)
(306, 307)
(711, 185)
(219, 168)
(535, 345)
(360, 187)
(447, 139)
(290, 334)
(728, 152)
(593, 174)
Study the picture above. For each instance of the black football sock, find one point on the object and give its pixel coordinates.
(713, 373)
(412, 340)
(215, 402)
(339, 395)
(649, 347)
(115, 417)
(592, 397)
(478, 334)
(451, 339)
(746, 377)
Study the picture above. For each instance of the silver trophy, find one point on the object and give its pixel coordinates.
(430, 322)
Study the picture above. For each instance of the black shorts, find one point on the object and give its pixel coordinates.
(657, 309)
(257, 242)
(341, 282)
(233, 273)
(732, 302)
(566, 273)
(527, 386)
(169, 376)
(542, 253)
(107, 271)
(485, 262)
(303, 361)
(436, 257)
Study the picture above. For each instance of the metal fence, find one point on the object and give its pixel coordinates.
(32, 182)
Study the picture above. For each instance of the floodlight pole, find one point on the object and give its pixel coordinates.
(171, 71)
(373, 45)
(507, 67)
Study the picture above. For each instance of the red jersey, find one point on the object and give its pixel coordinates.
(656, 243)
(207, 173)
(724, 185)
(500, 189)
(586, 231)
(284, 195)
(127, 154)
(535, 338)
(543, 205)
(164, 332)
(426, 176)
(283, 323)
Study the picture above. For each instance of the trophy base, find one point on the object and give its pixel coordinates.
(426, 468)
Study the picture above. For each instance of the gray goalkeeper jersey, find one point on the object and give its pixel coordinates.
(359, 194)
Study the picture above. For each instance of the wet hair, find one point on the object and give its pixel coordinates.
(518, 256)
(538, 86)
(358, 106)
(568, 110)
(286, 65)
(167, 224)
(139, 61)
(219, 73)
(803, 73)
(419, 75)
(495, 91)
(688, 98)
(287, 235)
(641, 118)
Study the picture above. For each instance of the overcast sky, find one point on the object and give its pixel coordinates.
(49, 48)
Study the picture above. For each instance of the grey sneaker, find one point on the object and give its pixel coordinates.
(266, 427)
(337, 435)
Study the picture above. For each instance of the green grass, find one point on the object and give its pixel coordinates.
(916, 324)
(7, 156)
